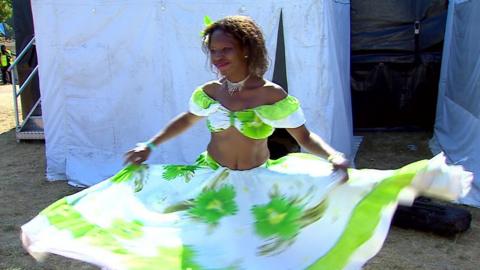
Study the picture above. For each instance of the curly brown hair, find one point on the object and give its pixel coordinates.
(248, 33)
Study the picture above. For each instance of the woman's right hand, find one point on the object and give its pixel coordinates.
(137, 155)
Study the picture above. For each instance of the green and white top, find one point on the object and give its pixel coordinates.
(254, 123)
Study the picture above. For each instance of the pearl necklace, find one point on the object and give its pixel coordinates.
(233, 87)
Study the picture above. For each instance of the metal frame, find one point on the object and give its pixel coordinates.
(21, 134)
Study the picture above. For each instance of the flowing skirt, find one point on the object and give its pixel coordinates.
(291, 213)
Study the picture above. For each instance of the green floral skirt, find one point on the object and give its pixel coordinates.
(290, 213)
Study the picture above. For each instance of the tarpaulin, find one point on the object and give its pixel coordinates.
(457, 124)
(113, 73)
(396, 58)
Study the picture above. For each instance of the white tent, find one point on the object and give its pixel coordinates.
(112, 73)
(457, 124)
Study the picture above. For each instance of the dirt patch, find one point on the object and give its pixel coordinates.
(24, 192)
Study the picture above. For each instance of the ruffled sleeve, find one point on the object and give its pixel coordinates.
(201, 104)
(286, 113)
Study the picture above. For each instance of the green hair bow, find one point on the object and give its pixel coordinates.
(207, 21)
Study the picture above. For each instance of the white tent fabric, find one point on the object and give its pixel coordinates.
(317, 45)
(457, 124)
(112, 73)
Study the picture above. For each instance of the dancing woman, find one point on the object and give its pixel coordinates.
(234, 208)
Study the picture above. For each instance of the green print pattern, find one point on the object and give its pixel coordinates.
(283, 218)
(279, 218)
(249, 121)
(127, 173)
(279, 110)
(368, 213)
(211, 128)
(201, 99)
(252, 126)
(126, 230)
(211, 205)
(205, 160)
(132, 172)
(64, 216)
(174, 171)
(228, 219)
(276, 111)
(181, 258)
(276, 244)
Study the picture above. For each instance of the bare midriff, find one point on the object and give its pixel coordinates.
(233, 150)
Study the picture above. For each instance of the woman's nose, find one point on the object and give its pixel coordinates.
(216, 54)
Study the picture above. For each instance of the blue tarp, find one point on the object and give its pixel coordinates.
(3, 31)
(457, 125)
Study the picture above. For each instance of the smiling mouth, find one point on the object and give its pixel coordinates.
(221, 65)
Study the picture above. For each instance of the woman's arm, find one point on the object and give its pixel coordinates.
(175, 127)
(316, 145)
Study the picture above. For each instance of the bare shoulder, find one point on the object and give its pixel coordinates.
(273, 92)
(211, 87)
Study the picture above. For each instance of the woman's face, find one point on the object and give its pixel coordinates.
(226, 54)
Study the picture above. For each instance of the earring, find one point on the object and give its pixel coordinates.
(246, 56)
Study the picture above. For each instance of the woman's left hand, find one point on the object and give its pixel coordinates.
(339, 162)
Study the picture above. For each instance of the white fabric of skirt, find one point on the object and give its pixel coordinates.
(292, 213)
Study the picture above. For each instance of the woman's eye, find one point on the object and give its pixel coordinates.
(222, 50)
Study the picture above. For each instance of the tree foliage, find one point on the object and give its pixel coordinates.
(6, 16)
(5, 10)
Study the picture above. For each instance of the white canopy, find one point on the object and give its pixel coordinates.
(457, 125)
(112, 73)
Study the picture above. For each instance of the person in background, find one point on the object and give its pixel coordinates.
(6, 57)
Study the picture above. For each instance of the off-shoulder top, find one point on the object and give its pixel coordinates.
(255, 123)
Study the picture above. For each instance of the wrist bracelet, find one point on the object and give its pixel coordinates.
(150, 145)
(335, 155)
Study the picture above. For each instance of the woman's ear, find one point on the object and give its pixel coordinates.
(246, 55)
(245, 52)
